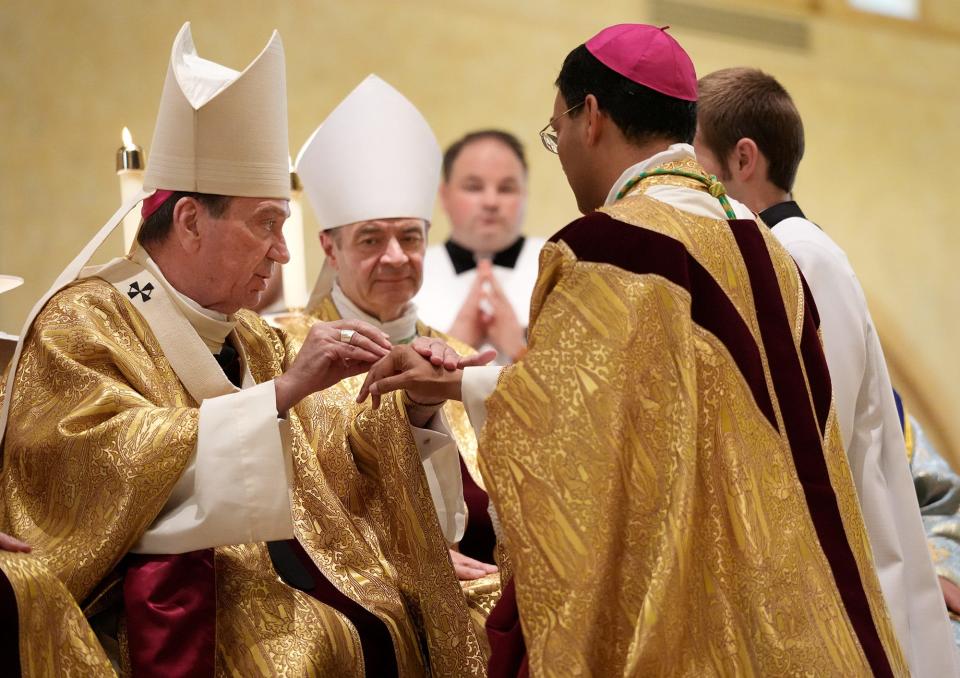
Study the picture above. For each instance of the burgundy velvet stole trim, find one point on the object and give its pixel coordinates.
(601, 239)
(479, 539)
(814, 361)
(379, 657)
(9, 628)
(171, 609)
(508, 650)
(803, 431)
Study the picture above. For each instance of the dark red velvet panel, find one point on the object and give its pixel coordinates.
(508, 651)
(171, 609)
(479, 539)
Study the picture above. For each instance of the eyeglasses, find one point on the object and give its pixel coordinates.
(548, 135)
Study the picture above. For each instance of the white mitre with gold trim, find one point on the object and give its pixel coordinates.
(221, 131)
(374, 157)
(218, 131)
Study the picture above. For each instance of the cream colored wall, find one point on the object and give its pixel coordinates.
(877, 99)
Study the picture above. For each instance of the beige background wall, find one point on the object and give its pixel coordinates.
(879, 99)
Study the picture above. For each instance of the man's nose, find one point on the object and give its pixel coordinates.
(279, 252)
(394, 253)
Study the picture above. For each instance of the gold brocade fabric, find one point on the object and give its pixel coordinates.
(261, 623)
(654, 518)
(55, 638)
(100, 430)
(376, 477)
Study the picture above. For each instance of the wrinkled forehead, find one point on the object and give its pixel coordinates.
(254, 208)
(393, 226)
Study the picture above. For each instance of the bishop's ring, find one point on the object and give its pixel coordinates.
(346, 336)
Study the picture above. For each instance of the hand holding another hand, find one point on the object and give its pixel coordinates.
(421, 369)
(331, 352)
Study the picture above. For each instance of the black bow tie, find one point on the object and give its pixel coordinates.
(463, 259)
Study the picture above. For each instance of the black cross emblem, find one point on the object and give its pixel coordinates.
(144, 293)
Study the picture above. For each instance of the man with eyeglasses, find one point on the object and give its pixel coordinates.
(669, 479)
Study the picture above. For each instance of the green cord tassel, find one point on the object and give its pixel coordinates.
(712, 184)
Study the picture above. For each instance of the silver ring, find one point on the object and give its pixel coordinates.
(346, 336)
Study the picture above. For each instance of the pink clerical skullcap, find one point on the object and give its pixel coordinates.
(154, 202)
(647, 56)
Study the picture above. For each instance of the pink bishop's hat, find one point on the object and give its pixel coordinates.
(647, 56)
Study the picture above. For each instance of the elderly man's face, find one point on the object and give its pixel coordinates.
(485, 196)
(239, 251)
(379, 263)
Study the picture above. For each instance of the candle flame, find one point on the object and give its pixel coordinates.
(127, 139)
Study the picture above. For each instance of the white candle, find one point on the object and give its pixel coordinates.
(130, 170)
(295, 271)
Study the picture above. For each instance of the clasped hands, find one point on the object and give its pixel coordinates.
(487, 317)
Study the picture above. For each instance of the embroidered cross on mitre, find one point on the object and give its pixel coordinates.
(144, 293)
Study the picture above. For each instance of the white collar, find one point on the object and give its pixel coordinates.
(212, 326)
(400, 331)
(675, 153)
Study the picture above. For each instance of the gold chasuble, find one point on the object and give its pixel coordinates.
(101, 428)
(666, 462)
(481, 594)
(42, 631)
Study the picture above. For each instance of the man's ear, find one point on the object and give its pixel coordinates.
(326, 242)
(745, 160)
(185, 226)
(594, 120)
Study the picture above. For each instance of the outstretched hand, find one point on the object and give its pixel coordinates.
(405, 368)
(438, 352)
(326, 358)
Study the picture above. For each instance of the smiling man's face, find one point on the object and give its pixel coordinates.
(379, 263)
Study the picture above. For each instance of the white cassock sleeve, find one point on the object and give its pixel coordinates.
(236, 487)
(477, 385)
(441, 464)
(872, 438)
(842, 322)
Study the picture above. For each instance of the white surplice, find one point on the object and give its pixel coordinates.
(873, 439)
(443, 291)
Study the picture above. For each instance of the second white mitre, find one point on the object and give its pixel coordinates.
(375, 157)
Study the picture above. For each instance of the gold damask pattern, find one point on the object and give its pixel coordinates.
(654, 518)
(265, 628)
(55, 639)
(100, 430)
(377, 476)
